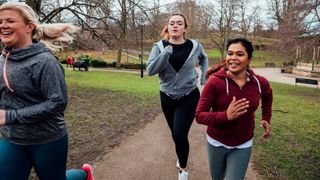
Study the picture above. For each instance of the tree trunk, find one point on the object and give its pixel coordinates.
(118, 65)
(123, 25)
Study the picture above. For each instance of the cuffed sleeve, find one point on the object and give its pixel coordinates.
(10, 117)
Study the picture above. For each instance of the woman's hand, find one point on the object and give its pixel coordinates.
(2, 117)
(266, 126)
(237, 108)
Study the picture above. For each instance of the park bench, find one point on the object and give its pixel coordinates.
(80, 64)
(269, 64)
(307, 81)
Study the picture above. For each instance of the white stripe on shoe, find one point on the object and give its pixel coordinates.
(183, 175)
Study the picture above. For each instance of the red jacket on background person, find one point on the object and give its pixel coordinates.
(216, 97)
(70, 60)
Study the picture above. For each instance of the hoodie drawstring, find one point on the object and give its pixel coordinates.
(5, 72)
(227, 84)
(258, 84)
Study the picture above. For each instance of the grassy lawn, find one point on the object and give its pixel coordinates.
(293, 151)
(122, 82)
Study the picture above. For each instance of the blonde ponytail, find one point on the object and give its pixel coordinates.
(55, 36)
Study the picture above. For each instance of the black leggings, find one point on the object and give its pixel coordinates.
(180, 114)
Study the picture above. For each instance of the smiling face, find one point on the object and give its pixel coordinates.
(237, 59)
(176, 27)
(14, 32)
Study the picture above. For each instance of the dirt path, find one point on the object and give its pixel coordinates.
(150, 155)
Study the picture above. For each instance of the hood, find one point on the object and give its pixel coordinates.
(24, 53)
(251, 76)
(19, 55)
(195, 44)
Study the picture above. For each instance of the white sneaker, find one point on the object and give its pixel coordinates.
(183, 175)
(178, 164)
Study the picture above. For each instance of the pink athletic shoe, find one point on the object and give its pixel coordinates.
(87, 168)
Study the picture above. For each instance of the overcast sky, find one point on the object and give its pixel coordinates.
(265, 14)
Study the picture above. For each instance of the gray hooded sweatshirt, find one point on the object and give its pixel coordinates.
(35, 108)
(183, 81)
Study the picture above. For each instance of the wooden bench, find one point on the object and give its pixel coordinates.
(307, 81)
(269, 64)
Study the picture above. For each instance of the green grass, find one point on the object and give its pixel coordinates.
(293, 151)
(261, 57)
(213, 53)
(124, 82)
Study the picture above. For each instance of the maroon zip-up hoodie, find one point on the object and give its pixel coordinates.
(216, 97)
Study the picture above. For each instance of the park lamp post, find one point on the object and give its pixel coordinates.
(141, 22)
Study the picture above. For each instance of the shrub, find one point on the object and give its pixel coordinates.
(113, 64)
(98, 63)
(133, 66)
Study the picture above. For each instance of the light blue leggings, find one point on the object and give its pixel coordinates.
(229, 163)
(49, 161)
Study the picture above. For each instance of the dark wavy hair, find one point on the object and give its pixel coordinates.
(244, 42)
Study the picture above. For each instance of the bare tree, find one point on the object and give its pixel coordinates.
(35, 4)
(315, 6)
(156, 23)
(290, 16)
(246, 18)
(314, 21)
(257, 27)
(222, 21)
(193, 14)
(122, 30)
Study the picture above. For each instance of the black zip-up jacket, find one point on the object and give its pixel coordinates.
(35, 108)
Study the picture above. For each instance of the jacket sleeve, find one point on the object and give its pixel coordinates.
(54, 91)
(204, 115)
(266, 101)
(203, 62)
(157, 60)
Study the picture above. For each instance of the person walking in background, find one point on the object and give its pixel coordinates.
(227, 105)
(174, 58)
(70, 61)
(33, 98)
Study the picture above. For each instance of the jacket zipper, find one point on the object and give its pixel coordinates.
(175, 82)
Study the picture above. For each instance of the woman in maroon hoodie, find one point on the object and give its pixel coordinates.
(227, 105)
